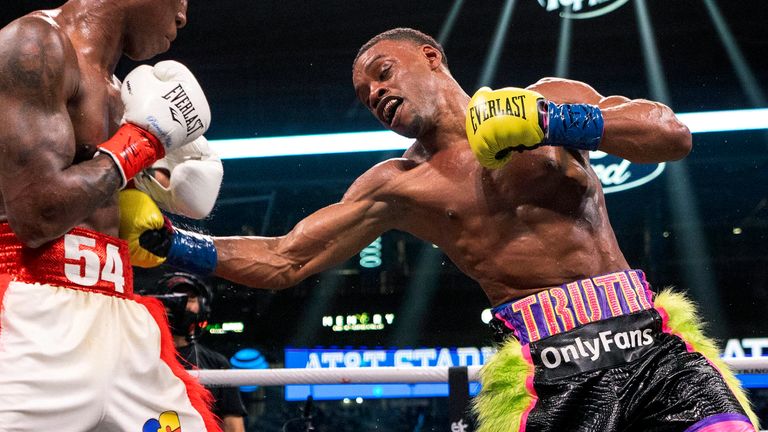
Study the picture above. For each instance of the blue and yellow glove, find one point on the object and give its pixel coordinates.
(499, 122)
(153, 240)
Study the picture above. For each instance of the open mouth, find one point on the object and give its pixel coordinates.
(389, 108)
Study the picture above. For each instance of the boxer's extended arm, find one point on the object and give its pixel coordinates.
(325, 238)
(44, 194)
(638, 130)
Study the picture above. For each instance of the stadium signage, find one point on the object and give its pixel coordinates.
(617, 174)
(747, 347)
(406, 357)
(358, 322)
(581, 9)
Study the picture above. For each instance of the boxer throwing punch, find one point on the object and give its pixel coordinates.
(501, 182)
(79, 350)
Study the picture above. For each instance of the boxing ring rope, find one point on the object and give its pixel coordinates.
(276, 377)
(379, 375)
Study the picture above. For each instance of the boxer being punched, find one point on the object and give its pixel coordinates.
(501, 182)
(78, 351)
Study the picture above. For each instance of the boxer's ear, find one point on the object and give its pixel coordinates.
(433, 56)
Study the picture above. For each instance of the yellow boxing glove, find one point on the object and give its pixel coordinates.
(138, 214)
(500, 121)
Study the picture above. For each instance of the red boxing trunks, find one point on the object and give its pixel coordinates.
(79, 351)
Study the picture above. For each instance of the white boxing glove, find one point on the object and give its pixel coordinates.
(196, 173)
(167, 101)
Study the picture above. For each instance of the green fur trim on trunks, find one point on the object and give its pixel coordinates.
(504, 397)
(684, 322)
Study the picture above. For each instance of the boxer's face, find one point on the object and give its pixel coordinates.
(393, 80)
(153, 26)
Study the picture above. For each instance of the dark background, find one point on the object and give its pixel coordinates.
(274, 68)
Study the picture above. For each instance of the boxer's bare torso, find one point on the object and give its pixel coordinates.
(538, 222)
(83, 112)
(59, 100)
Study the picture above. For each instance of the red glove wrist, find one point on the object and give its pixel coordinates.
(133, 149)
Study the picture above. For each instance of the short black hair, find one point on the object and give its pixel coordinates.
(402, 34)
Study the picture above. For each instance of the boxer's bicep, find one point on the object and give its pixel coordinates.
(336, 233)
(560, 91)
(38, 181)
(638, 130)
(37, 139)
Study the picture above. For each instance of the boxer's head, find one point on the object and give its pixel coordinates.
(402, 34)
(397, 76)
(151, 26)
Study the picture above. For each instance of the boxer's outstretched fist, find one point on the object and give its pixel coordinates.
(139, 214)
(153, 240)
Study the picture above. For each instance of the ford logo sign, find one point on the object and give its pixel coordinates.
(581, 9)
(617, 174)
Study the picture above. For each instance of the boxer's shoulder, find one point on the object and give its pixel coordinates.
(36, 55)
(383, 181)
(35, 36)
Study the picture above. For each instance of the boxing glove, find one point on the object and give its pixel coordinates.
(153, 240)
(499, 122)
(138, 213)
(195, 178)
(165, 107)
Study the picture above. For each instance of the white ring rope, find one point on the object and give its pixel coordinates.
(273, 377)
(266, 377)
